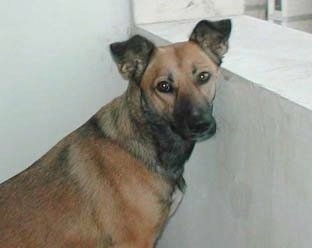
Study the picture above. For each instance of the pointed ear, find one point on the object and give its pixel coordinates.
(212, 37)
(132, 56)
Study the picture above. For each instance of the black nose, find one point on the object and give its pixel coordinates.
(201, 120)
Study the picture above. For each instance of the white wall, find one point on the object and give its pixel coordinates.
(55, 71)
(295, 14)
(165, 10)
(256, 8)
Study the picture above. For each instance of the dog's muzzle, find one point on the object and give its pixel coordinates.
(203, 129)
(198, 124)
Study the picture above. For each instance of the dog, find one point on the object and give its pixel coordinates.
(111, 182)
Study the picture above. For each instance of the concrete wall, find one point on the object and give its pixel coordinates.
(55, 71)
(164, 10)
(256, 8)
(295, 14)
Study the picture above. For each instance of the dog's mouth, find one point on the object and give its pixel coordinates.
(197, 132)
(203, 131)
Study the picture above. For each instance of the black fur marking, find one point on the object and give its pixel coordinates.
(172, 150)
(60, 168)
(63, 156)
(92, 128)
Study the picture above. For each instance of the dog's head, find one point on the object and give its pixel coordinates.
(178, 82)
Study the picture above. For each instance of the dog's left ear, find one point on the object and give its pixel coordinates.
(132, 56)
(212, 37)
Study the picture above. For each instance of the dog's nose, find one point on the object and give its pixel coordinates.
(198, 113)
(201, 120)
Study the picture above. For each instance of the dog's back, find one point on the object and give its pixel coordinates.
(83, 192)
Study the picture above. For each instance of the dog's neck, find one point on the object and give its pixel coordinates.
(129, 121)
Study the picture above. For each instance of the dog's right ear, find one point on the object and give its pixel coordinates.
(132, 56)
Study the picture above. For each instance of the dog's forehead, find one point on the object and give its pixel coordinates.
(182, 55)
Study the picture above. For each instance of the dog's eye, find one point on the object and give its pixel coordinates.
(164, 87)
(203, 77)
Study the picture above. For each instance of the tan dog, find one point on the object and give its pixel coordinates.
(110, 183)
